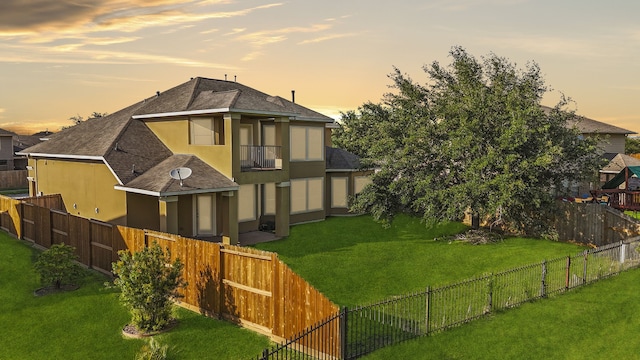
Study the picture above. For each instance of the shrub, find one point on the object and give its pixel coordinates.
(56, 266)
(148, 282)
(152, 351)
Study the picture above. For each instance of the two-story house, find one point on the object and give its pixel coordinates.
(207, 158)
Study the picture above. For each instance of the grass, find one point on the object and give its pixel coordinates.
(593, 322)
(14, 191)
(354, 261)
(633, 214)
(87, 323)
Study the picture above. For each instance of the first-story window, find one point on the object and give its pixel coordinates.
(307, 195)
(360, 182)
(247, 202)
(339, 192)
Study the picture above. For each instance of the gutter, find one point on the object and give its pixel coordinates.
(173, 193)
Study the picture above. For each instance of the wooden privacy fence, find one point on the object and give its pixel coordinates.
(251, 287)
(13, 179)
(594, 224)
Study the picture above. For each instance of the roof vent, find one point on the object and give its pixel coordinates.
(293, 96)
(157, 93)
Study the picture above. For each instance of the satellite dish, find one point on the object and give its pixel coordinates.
(180, 173)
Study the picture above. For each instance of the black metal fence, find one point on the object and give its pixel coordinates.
(363, 329)
(254, 157)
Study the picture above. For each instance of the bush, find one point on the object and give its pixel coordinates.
(149, 282)
(56, 266)
(152, 351)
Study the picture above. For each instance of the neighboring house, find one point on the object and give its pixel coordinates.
(616, 164)
(612, 137)
(254, 159)
(6, 150)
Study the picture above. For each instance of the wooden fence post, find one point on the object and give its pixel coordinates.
(428, 312)
(221, 282)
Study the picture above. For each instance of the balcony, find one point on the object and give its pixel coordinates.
(260, 158)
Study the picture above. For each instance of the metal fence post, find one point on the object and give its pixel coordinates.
(343, 332)
(490, 294)
(543, 285)
(584, 267)
(568, 274)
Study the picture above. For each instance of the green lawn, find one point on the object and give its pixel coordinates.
(87, 323)
(599, 321)
(354, 261)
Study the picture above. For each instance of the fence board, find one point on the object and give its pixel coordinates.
(13, 179)
(593, 224)
(11, 216)
(52, 201)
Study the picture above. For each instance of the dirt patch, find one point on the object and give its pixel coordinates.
(130, 331)
(476, 237)
(53, 290)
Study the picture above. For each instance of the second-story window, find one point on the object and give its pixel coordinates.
(206, 131)
(307, 143)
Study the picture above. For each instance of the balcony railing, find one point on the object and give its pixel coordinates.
(257, 158)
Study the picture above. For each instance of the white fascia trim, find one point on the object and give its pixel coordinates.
(181, 113)
(65, 156)
(77, 157)
(173, 193)
(209, 111)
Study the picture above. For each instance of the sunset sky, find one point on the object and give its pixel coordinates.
(61, 58)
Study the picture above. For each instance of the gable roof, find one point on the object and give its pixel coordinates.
(128, 147)
(339, 159)
(202, 95)
(619, 162)
(4, 132)
(590, 126)
(156, 181)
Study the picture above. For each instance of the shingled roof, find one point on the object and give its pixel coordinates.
(136, 156)
(619, 162)
(590, 126)
(342, 160)
(202, 95)
(156, 181)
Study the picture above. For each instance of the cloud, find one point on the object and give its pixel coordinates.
(40, 21)
(1, 111)
(326, 38)
(466, 5)
(259, 39)
(75, 54)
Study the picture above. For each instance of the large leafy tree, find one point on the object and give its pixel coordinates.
(632, 145)
(474, 137)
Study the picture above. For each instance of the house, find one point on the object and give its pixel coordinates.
(207, 158)
(6, 150)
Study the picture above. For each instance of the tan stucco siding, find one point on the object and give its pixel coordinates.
(174, 133)
(87, 184)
